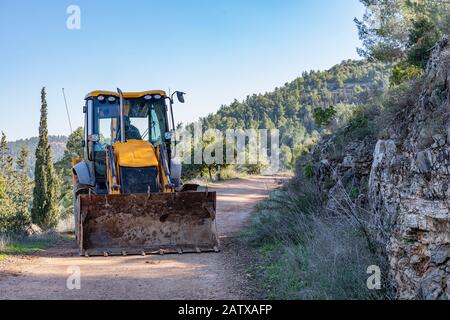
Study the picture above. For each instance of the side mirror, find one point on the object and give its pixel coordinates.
(180, 96)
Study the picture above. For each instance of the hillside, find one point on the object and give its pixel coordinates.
(57, 143)
(290, 107)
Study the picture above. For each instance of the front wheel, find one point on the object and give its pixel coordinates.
(78, 189)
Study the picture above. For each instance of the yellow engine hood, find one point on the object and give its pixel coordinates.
(135, 154)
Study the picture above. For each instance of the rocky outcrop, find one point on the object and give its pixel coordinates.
(401, 182)
(341, 166)
(409, 188)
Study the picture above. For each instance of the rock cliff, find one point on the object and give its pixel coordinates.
(409, 187)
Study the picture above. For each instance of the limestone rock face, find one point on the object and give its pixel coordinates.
(409, 189)
(350, 167)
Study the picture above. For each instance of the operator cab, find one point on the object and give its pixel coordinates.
(144, 117)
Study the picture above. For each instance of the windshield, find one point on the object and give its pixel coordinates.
(143, 120)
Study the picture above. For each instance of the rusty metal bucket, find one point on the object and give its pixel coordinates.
(146, 223)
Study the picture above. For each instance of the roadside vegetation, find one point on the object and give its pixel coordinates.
(314, 236)
(20, 245)
(307, 251)
(35, 203)
(310, 249)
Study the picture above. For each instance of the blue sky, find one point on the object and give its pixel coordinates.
(215, 50)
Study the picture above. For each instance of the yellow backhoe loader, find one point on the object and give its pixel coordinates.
(128, 193)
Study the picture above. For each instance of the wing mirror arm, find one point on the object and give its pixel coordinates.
(180, 97)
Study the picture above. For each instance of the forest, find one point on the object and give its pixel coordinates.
(295, 109)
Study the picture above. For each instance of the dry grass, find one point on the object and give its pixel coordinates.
(17, 245)
(309, 252)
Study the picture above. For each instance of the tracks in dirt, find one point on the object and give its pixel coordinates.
(187, 276)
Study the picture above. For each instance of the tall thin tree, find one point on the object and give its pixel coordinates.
(7, 207)
(3, 151)
(23, 191)
(45, 198)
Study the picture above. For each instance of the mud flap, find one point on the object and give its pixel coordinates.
(147, 223)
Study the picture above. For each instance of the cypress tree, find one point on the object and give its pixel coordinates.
(44, 211)
(3, 151)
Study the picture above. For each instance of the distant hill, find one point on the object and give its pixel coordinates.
(290, 108)
(351, 82)
(57, 144)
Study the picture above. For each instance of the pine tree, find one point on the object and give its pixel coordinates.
(45, 194)
(22, 164)
(7, 207)
(22, 192)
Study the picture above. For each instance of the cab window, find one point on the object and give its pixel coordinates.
(155, 128)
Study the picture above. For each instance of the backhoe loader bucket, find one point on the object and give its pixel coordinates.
(146, 223)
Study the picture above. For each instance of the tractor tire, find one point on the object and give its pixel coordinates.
(78, 189)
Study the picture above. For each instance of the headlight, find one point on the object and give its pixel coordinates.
(111, 99)
(100, 98)
(147, 97)
(157, 96)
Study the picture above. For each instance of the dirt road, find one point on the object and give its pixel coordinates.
(220, 275)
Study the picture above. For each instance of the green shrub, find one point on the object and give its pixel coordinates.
(396, 105)
(361, 125)
(422, 39)
(256, 168)
(354, 193)
(323, 116)
(308, 170)
(404, 71)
